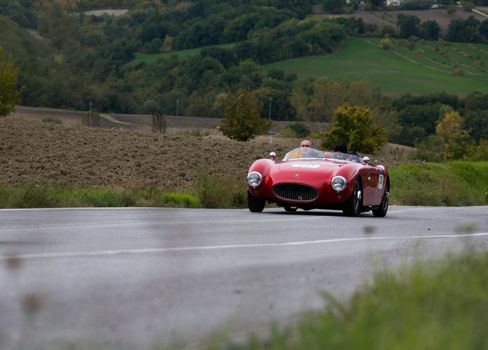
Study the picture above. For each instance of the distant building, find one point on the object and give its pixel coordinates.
(393, 2)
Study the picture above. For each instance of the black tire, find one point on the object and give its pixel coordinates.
(354, 205)
(381, 211)
(255, 204)
(290, 209)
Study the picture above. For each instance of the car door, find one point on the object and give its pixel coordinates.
(373, 183)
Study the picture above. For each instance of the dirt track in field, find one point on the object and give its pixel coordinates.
(390, 17)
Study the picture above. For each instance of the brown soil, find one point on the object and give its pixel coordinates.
(32, 151)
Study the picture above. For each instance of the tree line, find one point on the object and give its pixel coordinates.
(74, 60)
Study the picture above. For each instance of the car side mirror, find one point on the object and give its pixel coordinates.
(272, 155)
(366, 159)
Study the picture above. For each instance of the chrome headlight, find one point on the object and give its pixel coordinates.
(338, 183)
(254, 179)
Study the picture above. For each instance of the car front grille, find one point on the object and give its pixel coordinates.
(295, 192)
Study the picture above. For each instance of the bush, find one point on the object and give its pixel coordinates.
(102, 197)
(36, 196)
(9, 96)
(220, 192)
(478, 152)
(386, 43)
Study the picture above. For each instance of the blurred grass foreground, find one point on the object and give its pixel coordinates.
(442, 305)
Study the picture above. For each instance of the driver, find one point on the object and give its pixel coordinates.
(305, 144)
(308, 151)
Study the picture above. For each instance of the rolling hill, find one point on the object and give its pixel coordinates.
(457, 68)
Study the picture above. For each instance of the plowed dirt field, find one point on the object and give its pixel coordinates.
(32, 151)
(37, 152)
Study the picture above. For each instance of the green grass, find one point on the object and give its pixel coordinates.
(442, 305)
(401, 70)
(150, 58)
(44, 196)
(455, 183)
(211, 192)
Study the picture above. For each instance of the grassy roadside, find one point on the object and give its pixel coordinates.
(442, 305)
(455, 183)
(211, 192)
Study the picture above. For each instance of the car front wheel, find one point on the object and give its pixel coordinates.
(255, 204)
(354, 203)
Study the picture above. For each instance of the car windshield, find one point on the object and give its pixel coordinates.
(348, 157)
(304, 153)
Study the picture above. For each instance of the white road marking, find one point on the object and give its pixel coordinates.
(229, 246)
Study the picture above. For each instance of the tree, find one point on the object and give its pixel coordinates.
(318, 101)
(483, 29)
(375, 4)
(478, 152)
(9, 95)
(431, 149)
(467, 6)
(334, 6)
(409, 25)
(424, 116)
(456, 139)
(242, 120)
(476, 115)
(153, 107)
(464, 30)
(430, 30)
(355, 127)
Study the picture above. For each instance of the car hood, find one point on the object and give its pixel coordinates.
(311, 172)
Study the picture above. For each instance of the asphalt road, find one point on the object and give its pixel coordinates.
(132, 278)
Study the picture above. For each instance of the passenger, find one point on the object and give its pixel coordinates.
(340, 150)
(340, 147)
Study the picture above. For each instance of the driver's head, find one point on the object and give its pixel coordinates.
(306, 144)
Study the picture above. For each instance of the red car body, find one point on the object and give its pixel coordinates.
(305, 177)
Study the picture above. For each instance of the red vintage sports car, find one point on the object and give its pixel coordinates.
(307, 178)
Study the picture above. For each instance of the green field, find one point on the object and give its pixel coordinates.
(430, 67)
(147, 58)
